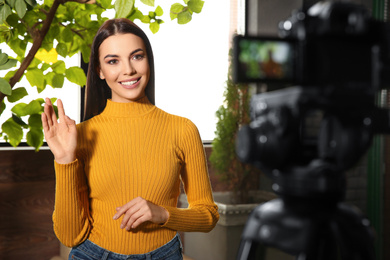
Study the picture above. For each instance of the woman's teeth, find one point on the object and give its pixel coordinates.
(129, 83)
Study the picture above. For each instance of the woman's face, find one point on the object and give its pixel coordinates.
(124, 66)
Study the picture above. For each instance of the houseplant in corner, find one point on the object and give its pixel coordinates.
(241, 180)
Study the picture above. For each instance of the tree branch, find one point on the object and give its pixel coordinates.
(35, 47)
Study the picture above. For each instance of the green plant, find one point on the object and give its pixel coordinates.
(57, 27)
(234, 112)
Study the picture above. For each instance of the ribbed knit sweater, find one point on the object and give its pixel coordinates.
(131, 150)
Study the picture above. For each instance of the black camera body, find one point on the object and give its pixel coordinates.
(330, 44)
(333, 59)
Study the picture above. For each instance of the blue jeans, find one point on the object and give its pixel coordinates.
(90, 251)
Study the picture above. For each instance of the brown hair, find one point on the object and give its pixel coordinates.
(97, 91)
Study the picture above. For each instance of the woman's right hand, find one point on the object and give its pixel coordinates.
(60, 136)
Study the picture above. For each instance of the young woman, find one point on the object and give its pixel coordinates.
(118, 173)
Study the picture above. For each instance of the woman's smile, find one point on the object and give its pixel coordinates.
(124, 66)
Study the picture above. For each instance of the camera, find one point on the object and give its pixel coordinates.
(332, 61)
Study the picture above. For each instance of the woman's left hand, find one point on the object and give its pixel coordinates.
(138, 211)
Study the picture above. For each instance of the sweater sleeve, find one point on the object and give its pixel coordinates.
(202, 213)
(71, 207)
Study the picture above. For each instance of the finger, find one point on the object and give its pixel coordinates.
(138, 222)
(47, 112)
(51, 114)
(137, 217)
(44, 122)
(121, 210)
(129, 217)
(61, 111)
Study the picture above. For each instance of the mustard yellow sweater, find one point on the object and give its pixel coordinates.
(130, 150)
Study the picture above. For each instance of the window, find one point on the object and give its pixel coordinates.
(191, 63)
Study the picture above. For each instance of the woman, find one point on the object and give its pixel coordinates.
(118, 173)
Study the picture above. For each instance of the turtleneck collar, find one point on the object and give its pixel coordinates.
(131, 109)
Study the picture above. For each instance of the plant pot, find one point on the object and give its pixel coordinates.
(223, 241)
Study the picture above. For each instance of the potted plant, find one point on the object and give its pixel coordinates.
(241, 180)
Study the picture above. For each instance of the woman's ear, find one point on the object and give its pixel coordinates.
(101, 74)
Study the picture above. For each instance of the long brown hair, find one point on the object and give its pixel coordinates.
(97, 91)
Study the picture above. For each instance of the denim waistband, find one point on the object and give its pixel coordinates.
(96, 252)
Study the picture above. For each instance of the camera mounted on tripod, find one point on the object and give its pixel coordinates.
(332, 59)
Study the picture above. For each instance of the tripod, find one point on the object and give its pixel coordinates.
(315, 226)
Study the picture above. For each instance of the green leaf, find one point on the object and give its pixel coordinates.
(19, 121)
(3, 58)
(66, 35)
(22, 109)
(76, 75)
(106, 4)
(145, 19)
(196, 5)
(123, 8)
(154, 27)
(148, 2)
(62, 49)
(59, 67)
(175, 10)
(58, 81)
(34, 121)
(21, 8)
(159, 11)
(17, 94)
(13, 131)
(11, 3)
(5, 11)
(35, 138)
(35, 78)
(136, 14)
(5, 87)
(32, 3)
(184, 17)
(9, 64)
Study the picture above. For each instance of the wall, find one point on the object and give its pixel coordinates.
(26, 205)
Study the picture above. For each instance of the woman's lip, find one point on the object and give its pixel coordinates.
(131, 86)
(127, 80)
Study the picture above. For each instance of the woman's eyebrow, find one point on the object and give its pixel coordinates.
(116, 56)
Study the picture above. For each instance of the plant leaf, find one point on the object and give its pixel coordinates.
(21, 8)
(13, 131)
(34, 121)
(123, 8)
(5, 11)
(159, 11)
(19, 121)
(57, 81)
(154, 27)
(35, 138)
(17, 94)
(184, 17)
(5, 87)
(196, 5)
(148, 2)
(9, 64)
(35, 78)
(175, 10)
(76, 75)
(3, 58)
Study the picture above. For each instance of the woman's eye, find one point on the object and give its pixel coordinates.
(138, 57)
(111, 62)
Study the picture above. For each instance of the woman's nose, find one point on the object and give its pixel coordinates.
(129, 69)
